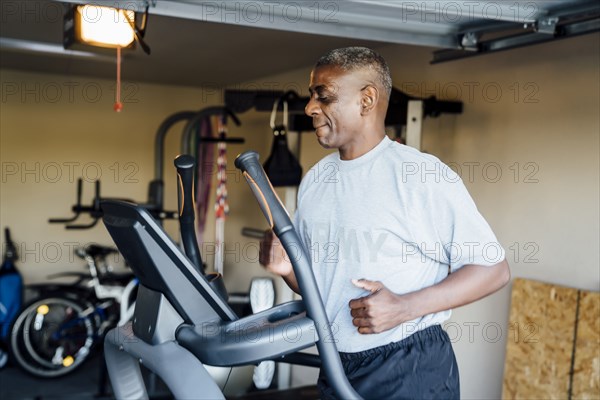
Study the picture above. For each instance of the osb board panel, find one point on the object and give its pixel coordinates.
(540, 341)
(586, 368)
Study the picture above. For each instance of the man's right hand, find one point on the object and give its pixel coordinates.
(272, 255)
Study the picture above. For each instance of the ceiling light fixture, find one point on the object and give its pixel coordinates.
(98, 26)
(104, 26)
(108, 27)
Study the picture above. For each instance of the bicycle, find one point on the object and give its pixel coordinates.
(56, 332)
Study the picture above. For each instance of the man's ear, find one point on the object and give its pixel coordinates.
(369, 99)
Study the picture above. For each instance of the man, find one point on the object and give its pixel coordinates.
(394, 237)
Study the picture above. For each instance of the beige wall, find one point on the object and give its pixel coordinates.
(544, 124)
(56, 129)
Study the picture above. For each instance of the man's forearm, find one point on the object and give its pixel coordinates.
(468, 284)
(382, 310)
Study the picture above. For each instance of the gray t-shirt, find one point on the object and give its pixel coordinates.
(394, 215)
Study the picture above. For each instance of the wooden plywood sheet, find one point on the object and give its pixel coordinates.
(586, 367)
(540, 341)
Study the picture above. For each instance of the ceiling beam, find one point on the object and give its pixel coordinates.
(28, 46)
(442, 24)
(329, 18)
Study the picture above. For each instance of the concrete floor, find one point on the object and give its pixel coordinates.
(83, 384)
(80, 384)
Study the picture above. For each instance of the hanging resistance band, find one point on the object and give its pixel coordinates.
(204, 175)
(221, 206)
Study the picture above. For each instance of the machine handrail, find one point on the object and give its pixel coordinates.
(282, 225)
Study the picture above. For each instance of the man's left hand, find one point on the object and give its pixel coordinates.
(379, 311)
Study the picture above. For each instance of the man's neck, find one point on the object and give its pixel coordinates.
(361, 146)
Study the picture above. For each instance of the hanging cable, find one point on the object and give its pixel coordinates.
(118, 105)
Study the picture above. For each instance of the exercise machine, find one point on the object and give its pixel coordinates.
(182, 324)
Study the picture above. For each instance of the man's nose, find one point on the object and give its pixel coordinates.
(312, 108)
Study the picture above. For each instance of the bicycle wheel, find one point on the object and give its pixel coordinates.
(52, 337)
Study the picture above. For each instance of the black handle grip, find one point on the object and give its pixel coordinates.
(83, 226)
(281, 224)
(185, 187)
(7, 237)
(186, 204)
(253, 233)
(269, 202)
(10, 251)
(96, 204)
(79, 191)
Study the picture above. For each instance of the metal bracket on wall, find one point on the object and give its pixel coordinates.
(543, 30)
(547, 25)
(414, 124)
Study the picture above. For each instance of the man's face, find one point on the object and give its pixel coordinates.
(335, 105)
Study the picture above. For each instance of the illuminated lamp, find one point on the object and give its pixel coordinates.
(99, 26)
(108, 27)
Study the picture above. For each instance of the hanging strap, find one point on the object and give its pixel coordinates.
(221, 205)
(204, 175)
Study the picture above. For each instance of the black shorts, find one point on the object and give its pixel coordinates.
(422, 366)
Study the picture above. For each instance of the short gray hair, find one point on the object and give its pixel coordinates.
(353, 58)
